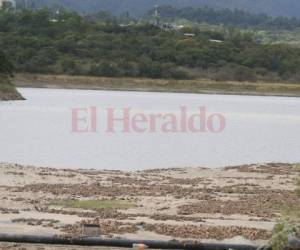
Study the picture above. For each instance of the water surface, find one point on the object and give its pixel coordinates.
(38, 131)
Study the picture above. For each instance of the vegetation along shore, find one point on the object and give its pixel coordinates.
(204, 86)
(7, 89)
(66, 43)
(99, 51)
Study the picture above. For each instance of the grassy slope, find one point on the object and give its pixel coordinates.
(8, 90)
(142, 84)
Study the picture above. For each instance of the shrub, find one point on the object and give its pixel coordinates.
(6, 66)
(179, 74)
(105, 69)
(233, 72)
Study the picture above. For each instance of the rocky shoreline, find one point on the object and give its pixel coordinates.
(11, 96)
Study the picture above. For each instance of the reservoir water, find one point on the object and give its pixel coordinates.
(39, 132)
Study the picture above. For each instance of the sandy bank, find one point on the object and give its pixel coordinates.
(235, 204)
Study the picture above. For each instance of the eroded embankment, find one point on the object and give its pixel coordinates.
(8, 91)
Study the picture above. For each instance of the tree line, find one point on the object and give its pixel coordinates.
(6, 67)
(46, 42)
(237, 18)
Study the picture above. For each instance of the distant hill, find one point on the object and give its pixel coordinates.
(236, 18)
(140, 7)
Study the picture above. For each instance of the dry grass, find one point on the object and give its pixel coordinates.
(292, 213)
(297, 167)
(159, 85)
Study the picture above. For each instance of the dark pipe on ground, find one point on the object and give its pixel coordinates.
(123, 243)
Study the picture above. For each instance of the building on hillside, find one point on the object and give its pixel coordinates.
(156, 16)
(189, 34)
(13, 3)
(157, 21)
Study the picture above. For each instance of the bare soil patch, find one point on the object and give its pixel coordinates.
(185, 203)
